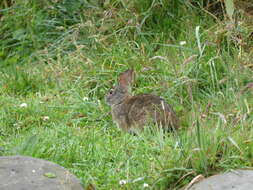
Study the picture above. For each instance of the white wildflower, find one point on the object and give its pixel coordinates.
(85, 99)
(23, 105)
(145, 185)
(182, 43)
(45, 118)
(33, 171)
(123, 182)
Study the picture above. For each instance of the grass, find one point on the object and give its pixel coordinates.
(61, 58)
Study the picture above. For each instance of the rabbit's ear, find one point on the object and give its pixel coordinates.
(126, 78)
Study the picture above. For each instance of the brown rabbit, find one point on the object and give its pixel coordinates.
(132, 113)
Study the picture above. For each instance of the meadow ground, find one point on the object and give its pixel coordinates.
(59, 58)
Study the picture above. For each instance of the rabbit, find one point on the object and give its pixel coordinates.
(132, 113)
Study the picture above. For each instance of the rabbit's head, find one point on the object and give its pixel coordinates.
(119, 93)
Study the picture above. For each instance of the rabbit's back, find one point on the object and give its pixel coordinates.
(146, 108)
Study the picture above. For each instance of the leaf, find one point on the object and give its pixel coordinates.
(195, 180)
(90, 187)
(230, 8)
(234, 143)
(50, 175)
(19, 34)
(197, 34)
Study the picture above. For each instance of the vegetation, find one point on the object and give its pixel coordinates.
(58, 59)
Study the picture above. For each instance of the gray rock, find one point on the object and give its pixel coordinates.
(27, 173)
(235, 180)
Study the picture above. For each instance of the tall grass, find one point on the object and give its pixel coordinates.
(61, 57)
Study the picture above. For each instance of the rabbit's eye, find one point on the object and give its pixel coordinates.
(111, 91)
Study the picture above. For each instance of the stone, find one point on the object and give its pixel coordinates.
(27, 173)
(234, 180)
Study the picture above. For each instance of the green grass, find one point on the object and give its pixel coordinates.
(60, 59)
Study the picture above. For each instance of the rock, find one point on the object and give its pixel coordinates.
(27, 173)
(235, 180)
